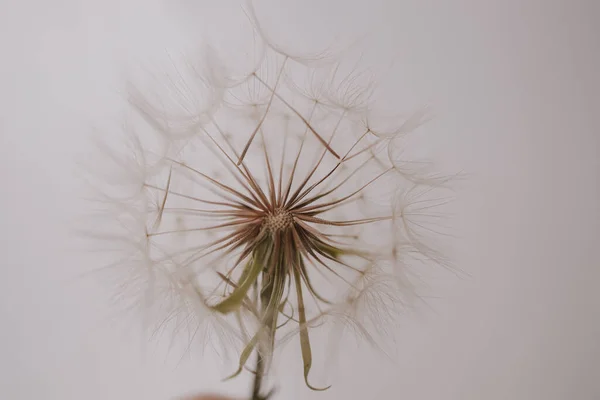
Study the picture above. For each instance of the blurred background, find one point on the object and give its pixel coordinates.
(516, 94)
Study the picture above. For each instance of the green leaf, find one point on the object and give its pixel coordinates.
(235, 299)
(333, 252)
(304, 338)
(245, 355)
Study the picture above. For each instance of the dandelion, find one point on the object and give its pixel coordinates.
(270, 203)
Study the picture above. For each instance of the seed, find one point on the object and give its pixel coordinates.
(279, 220)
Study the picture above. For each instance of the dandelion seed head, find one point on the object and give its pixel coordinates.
(272, 206)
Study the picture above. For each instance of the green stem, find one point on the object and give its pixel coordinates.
(260, 369)
(270, 292)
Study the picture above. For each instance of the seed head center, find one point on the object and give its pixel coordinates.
(278, 220)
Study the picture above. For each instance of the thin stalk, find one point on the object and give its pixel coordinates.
(267, 314)
(258, 376)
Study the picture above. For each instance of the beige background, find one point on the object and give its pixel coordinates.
(515, 88)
